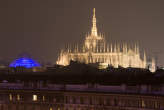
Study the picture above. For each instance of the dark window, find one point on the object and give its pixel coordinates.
(81, 100)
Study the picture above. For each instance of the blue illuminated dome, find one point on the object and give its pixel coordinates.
(24, 62)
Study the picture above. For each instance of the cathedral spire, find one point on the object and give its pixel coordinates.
(144, 60)
(94, 28)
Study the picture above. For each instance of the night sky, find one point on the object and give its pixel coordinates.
(42, 27)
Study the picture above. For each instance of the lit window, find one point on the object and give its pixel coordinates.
(34, 97)
(43, 98)
(157, 105)
(143, 103)
(10, 97)
(18, 97)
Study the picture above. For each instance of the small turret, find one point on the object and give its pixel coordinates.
(153, 67)
(144, 60)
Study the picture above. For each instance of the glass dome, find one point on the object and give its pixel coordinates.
(24, 62)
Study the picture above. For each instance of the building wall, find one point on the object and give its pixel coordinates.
(64, 100)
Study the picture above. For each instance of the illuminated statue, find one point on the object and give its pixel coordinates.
(96, 50)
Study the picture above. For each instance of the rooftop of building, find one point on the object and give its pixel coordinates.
(80, 73)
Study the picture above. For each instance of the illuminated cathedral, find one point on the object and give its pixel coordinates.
(94, 49)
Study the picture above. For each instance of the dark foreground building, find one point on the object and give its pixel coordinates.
(64, 88)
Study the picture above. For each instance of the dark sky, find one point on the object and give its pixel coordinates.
(42, 27)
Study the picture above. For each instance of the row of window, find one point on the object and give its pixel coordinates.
(128, 88)
(28, 107)
(34, 97)
(104, 101)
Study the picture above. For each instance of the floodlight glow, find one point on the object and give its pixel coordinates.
(24, 62)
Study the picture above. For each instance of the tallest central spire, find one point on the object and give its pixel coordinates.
(94, 28)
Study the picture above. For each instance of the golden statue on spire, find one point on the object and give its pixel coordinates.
(96, 50)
